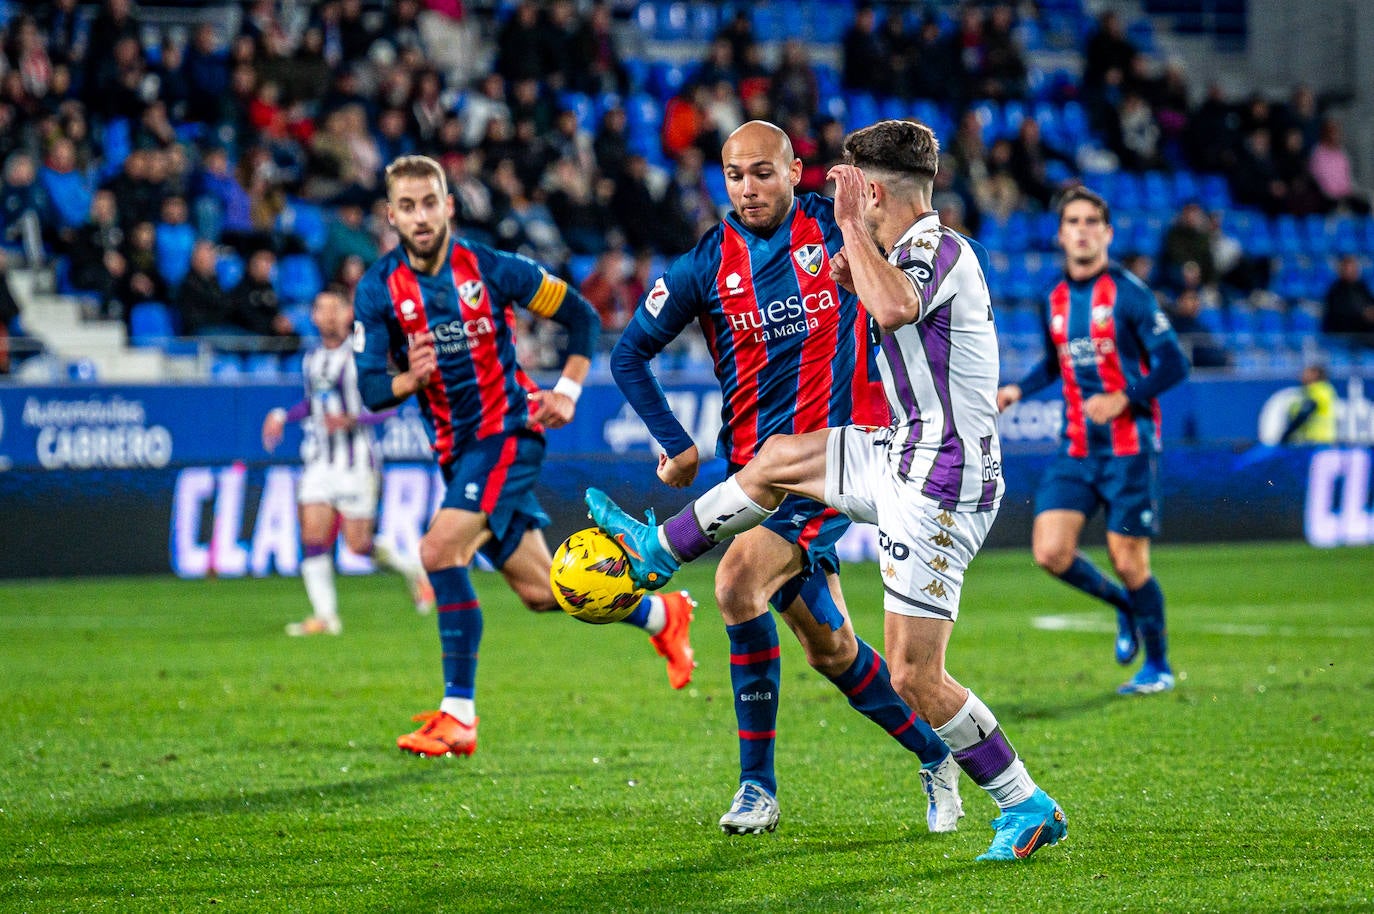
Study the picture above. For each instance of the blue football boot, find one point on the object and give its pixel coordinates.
(1150, 680)
(1026, 827)
(651, 564)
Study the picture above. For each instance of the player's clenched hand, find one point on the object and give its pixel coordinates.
(1006, 396)
(1103, 408)
(839, 271)
(423, 361)
(272, 428)
(849, 191)
(551, 408)
(680, 471)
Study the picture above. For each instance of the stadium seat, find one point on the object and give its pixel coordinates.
(306, 221)
(226, 366)
(298, 278)
(174, 245)
(860, 110)
(229, 270)
(581, 105)
(580, 266)
(116, 142)
(151, 324)
(262, 364)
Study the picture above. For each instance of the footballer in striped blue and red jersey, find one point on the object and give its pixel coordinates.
(1114, 352)
(793, 352)
(443, 310)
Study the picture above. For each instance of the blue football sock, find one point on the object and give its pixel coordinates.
(1148, 605)
(1084, 575)
(869, 687)
(460, 629)
(755, 676)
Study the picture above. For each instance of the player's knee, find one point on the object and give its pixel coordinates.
(831, 653)
(1052, 556)
(536, 599)
(360, 545)
(912, 681)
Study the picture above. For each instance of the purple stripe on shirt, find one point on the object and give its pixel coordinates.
(901, 380)
(946, 255)
(989, 480)
(945, 478)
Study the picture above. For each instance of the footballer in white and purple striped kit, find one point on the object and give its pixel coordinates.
(931, 481)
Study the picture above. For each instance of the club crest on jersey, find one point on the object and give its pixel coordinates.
(470, 293)
(657, 297)
(809, 257)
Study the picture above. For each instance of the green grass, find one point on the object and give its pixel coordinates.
(163, 747)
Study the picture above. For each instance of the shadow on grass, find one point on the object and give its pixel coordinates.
(279, 799)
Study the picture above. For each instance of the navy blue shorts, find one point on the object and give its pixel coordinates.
(815, 528)
(1127, 486)
(496, 476)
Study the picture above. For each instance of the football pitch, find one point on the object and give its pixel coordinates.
(164, 747)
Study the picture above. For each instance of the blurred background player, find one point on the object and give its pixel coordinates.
(1312, 416)
(338, 487)
(442, 308)
(1114, 352)
(790, 349)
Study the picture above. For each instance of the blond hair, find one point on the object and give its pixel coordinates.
(415, 167)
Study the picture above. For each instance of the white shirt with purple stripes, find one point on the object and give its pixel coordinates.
(331, 385)
(940, 373)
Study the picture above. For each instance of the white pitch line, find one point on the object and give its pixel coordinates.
(1095, 623)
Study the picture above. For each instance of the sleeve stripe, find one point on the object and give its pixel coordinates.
(549, 296)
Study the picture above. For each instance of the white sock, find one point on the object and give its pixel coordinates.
(972, 725)
(464, 709)
(318, 574)
(658, 614)
(725, 511)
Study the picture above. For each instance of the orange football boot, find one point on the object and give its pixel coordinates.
(442, 734)
(674, 642)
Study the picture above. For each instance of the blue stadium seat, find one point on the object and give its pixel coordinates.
(860, 110)
(667, 78)
(229, 270)
(307, 222)
(703, 21)
(226, 366)
(580, 104)
(893, 109)
(151, 324)
(1186, 187)
(116, 143)
(643, 113)
(173, 245)
(715, 185)
(580, 266)
(298, 278)
(262, 364)
(298, 314)
(1214, 192)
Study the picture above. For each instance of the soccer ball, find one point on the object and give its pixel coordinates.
(591, 578)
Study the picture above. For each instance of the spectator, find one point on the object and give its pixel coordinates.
(1312, 417)
(69, 190)
(1135, 138)
(636, 205)
(349, 274)
(1188, 240)
(526, 227)
(862, 49)
(1349, 304)
(207, 76)
(142, 280)
(686, 122)
(1234, 268)
(1030, 163)
(739, 31)
(897, 48)
(97, 257)
(24, 208)
(346, 234)
(1330, 168)
(254, 304)
(356, 32)
(578, 209)
(520, 44)
(393, 138)
(794, 89)
(9, 315)
(606, 289)
(61, 23)
(485, 105)
(428, 107)
(175, 240)
(474, 202)
(935, 59)
(611, 145)
(1109, 49)
(1255, 179)
(203, 306)
(719, 65)
(1203, 349)
(601, 68)
(569, 141)
(1004, 69)
(1214, 134)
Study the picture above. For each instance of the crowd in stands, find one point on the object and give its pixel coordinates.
(226, 177)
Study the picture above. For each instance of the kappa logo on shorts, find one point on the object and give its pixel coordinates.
(809, 258)
(936, 589)
(945, 518)
(939, 563)
(942, 539)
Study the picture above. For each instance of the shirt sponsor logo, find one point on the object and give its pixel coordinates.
(809, 257)
(460, 336)
(657, 297)
(734, 284)
(783, 317)
(1102, 314)
(359, 337)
